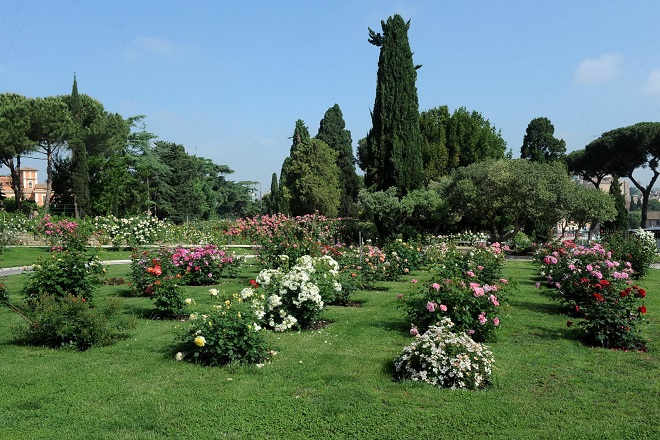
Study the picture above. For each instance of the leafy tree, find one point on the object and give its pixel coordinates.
(273, 200)
(332, 131)
(506, 195)
(471, 138)
(623, 150)
(459, 139)
(433, 126)
(590, 206)
(540, 144)
(421, 210)
(312, 179)
(14, 141)
(392, 155)
(51, 125)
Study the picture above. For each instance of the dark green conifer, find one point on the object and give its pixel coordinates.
(332, 131)
(393, 149)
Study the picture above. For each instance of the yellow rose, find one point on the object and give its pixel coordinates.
(200, 341)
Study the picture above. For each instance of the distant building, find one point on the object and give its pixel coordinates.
(32, 190)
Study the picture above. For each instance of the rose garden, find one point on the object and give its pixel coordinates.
(300, 326)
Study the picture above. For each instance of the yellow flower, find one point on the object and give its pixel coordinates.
(213, 292)
(239, 314)
(200, 341)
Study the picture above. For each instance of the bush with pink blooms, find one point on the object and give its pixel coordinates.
(63, 234)
(277, 235)
(597, 289)
(472, 307)
(204, 265)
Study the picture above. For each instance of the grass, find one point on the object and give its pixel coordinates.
(332, 383)
(18, 256)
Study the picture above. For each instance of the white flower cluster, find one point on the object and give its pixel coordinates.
(445, 359)
(296, 293)
(129, 231)
(646, 239)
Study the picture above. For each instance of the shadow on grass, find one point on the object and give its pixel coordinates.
(549, 308)
(548, 334)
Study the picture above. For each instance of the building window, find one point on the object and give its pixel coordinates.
(30, 184)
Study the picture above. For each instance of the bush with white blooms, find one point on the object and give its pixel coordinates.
(295, 297)
(446, 359)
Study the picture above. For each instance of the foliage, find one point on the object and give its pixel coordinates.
(332, 131)
(71, 321)
(540, 143)
(228, 333)
(596, 287)
(590, 206)
(418, 211)
(506, 195)
(473, 307)
(637, 247)
(391, 156)
(128, 232)
(445, 359)
(296, 297)
(521, 242)
(471, 139)
(311, 179)
(620, 222)
(68, 273)
(14, 141)
(3, 290)
(64, 234)
(620, 152)
(294, 237)
(167, 294)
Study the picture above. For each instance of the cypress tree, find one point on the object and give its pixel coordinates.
(620, 223)
(275, 197)
(332, 131)
(300, 136)
(79, 166)
(393, 144)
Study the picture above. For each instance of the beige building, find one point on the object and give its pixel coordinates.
(32, 189)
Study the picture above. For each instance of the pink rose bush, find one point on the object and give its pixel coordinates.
(466, 288)
(598, 288)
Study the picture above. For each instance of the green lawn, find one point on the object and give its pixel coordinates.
(18, 256)
(333, 383)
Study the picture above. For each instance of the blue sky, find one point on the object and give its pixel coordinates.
(228, 80)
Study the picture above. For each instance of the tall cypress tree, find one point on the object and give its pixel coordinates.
(300, 136)
(332, 131)
(620, 223)
(275, 197)
(79, 167)
(393, 144)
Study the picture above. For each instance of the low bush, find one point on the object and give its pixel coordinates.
(71, 321)
(472, 307)
(69, 273)
(638, 247)
(445, 359)
(228, 333)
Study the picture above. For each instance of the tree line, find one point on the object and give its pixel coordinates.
(102, 163)
(438, 170)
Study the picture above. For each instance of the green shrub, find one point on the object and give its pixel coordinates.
(168, 297)
(228, 333)
(66, 273)
(445, 359)
(71, 321)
